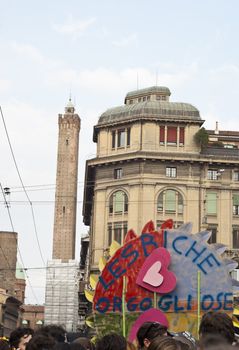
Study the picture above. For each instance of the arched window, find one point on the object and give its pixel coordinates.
(170, 201)
(118, 203)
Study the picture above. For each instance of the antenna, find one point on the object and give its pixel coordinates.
(70, 93)
(156, 77)
(137, 81)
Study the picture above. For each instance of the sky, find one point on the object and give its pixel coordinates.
(97, 51)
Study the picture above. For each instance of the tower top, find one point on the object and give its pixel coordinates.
(70, 108)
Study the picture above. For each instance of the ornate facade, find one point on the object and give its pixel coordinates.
(148, 166)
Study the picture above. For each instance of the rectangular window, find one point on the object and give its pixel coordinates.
(172, 135)
(211, 203)
(181, 136)
(235, 237)
(113, 139)
(171, 172)
(213, 238)
(236, 176)
(235, 200)
(212, 174)
(118, 173)
(170, 201)
(117, 232)
(121, 138)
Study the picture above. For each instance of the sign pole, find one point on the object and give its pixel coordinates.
(198, 301)
(155, 300)
(123, 306)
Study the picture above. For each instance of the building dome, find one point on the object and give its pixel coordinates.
(150, 103)
(150, 109)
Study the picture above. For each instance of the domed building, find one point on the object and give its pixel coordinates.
(149, 167)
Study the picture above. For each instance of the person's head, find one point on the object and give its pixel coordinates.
(40, 341)
(56, 332)
(20, 337)
(209, 341)
(112, 341)
(76, 346)
(130, 346)
(148, 331)
(85, 342)
(217, 323)
(164, 343)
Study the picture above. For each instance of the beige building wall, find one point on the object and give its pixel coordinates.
(143, 166)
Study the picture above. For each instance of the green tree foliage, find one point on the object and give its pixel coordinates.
(201, 138)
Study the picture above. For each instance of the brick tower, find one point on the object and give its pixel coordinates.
(66, 185)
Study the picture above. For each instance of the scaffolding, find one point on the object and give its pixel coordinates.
(62, 288)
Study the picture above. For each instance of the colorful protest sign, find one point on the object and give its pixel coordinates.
(161, 270)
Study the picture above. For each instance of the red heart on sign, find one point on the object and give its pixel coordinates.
(154, 274)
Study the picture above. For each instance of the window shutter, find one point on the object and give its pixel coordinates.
(212, 203)
(172, 134)
(170, 201)
(118, 202)
(128, 136)
(236, 199)
(161, 134)
(181, 136)
(113, 139)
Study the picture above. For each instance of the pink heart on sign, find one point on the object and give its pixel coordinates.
(154, 274)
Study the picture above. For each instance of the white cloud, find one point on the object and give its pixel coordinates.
(126, 41)
(226, 69)
(29, 51)
(33, 54)
(73, 27)
(104, 79)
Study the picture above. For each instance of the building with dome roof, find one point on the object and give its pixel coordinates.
(149, 166)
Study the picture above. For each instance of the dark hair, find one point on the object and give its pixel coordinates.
(40, 341)
(212, 340)
(217, 323)
(17, 334)
(150, 330)
(55, 331)
(76, 346)
(61, 346)
(166, 343)
(112, 341)
(85, 342)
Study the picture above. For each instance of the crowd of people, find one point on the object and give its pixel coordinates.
(216, 332)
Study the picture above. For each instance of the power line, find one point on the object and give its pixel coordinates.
(21, 202)
(19, 252)
(20, 178)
